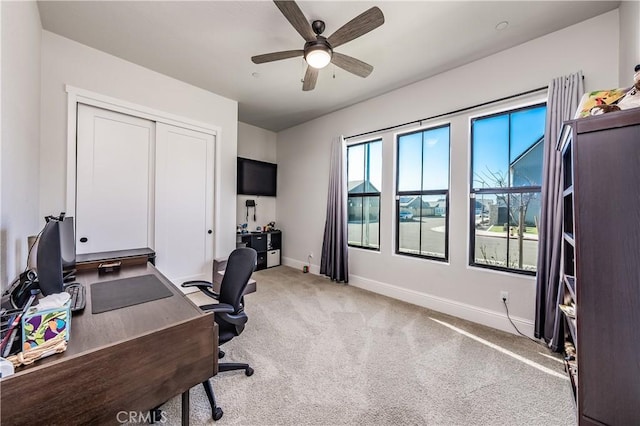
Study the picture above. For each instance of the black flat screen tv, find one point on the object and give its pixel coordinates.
(257, 177)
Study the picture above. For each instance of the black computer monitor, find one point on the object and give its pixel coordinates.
(68, 248)
(49, 260)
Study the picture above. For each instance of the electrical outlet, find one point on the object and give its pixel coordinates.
(504, 296)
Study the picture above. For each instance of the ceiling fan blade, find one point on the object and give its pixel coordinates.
(276, 56)
(360, 25)
(294, 15)
(310, 78)
(353, 65)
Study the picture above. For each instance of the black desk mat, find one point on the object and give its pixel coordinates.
(116, 294)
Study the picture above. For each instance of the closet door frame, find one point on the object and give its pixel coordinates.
(77, 96)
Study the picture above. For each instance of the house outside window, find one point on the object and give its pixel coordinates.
(422, 193)
(364, 176)
(506, 181)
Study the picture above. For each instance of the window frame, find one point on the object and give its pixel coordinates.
(446, 192)
(364, 195)
(496, 190)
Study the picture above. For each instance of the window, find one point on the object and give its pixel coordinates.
(422, 194)
(364, 171)
(506, 178)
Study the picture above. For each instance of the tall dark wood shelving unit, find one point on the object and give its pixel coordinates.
(601, 265)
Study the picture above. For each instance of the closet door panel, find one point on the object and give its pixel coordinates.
(184, 203)
(114, 187)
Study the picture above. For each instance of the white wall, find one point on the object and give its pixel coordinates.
(258, 144)
(20, 89)
(456, 288)
(67, 62)
(629, 41)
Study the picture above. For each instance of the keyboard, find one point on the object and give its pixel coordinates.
(77, 293)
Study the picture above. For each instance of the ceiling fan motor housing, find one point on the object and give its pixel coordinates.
(321, 44)
(317, 27)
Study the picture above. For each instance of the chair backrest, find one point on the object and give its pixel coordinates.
(240, 266)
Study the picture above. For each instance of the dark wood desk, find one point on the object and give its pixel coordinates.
(129, 359)
(138, 256)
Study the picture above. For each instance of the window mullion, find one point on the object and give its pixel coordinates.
(421, 191)
(361, 222)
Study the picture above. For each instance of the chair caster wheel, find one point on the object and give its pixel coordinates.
(217, 414)
(248, 371)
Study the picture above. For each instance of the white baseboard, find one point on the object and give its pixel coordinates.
(465, 311)
(287, 261)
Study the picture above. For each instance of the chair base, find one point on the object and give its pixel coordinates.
(231, 366)
(216, 412)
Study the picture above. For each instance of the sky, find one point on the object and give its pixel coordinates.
(491, 140)
(430, 148)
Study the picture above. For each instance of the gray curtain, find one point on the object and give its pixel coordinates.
(335, 255)
(563, 99)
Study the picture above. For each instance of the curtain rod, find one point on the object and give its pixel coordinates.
(528, 92)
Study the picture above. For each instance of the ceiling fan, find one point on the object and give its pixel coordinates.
(318, 50)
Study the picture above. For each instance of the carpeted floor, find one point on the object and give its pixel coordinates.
(330, 354)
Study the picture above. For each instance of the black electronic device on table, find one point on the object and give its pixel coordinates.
(77, 292)
(56, 251)
(68, 248)
(55, 254)
(49, 260)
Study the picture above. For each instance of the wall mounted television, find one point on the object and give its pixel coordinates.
(257, 177)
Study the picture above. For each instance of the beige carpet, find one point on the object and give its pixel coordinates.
(330, 354)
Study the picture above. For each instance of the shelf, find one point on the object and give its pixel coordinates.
(571, 368)
(573, 328)
(569, 238)
(267, 244)
(568, 191)
(570, 283)
(598, 245)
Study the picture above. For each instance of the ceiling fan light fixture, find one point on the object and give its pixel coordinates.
(318, 49)
(318, 56)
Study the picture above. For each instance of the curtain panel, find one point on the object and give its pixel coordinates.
(563, 99)
(334, 262)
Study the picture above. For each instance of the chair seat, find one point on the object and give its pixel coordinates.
(225, 336)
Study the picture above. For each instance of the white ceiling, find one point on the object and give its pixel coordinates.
(209, 44)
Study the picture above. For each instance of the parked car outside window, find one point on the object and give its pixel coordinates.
(406, 215)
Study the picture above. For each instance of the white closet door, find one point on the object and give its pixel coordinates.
(184, 203)
(114, 192)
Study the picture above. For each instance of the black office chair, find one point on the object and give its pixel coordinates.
(229, 312)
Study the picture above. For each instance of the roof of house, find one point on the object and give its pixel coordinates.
(367, 186)
(527, 151)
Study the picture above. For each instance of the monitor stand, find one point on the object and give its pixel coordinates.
(69, 275)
